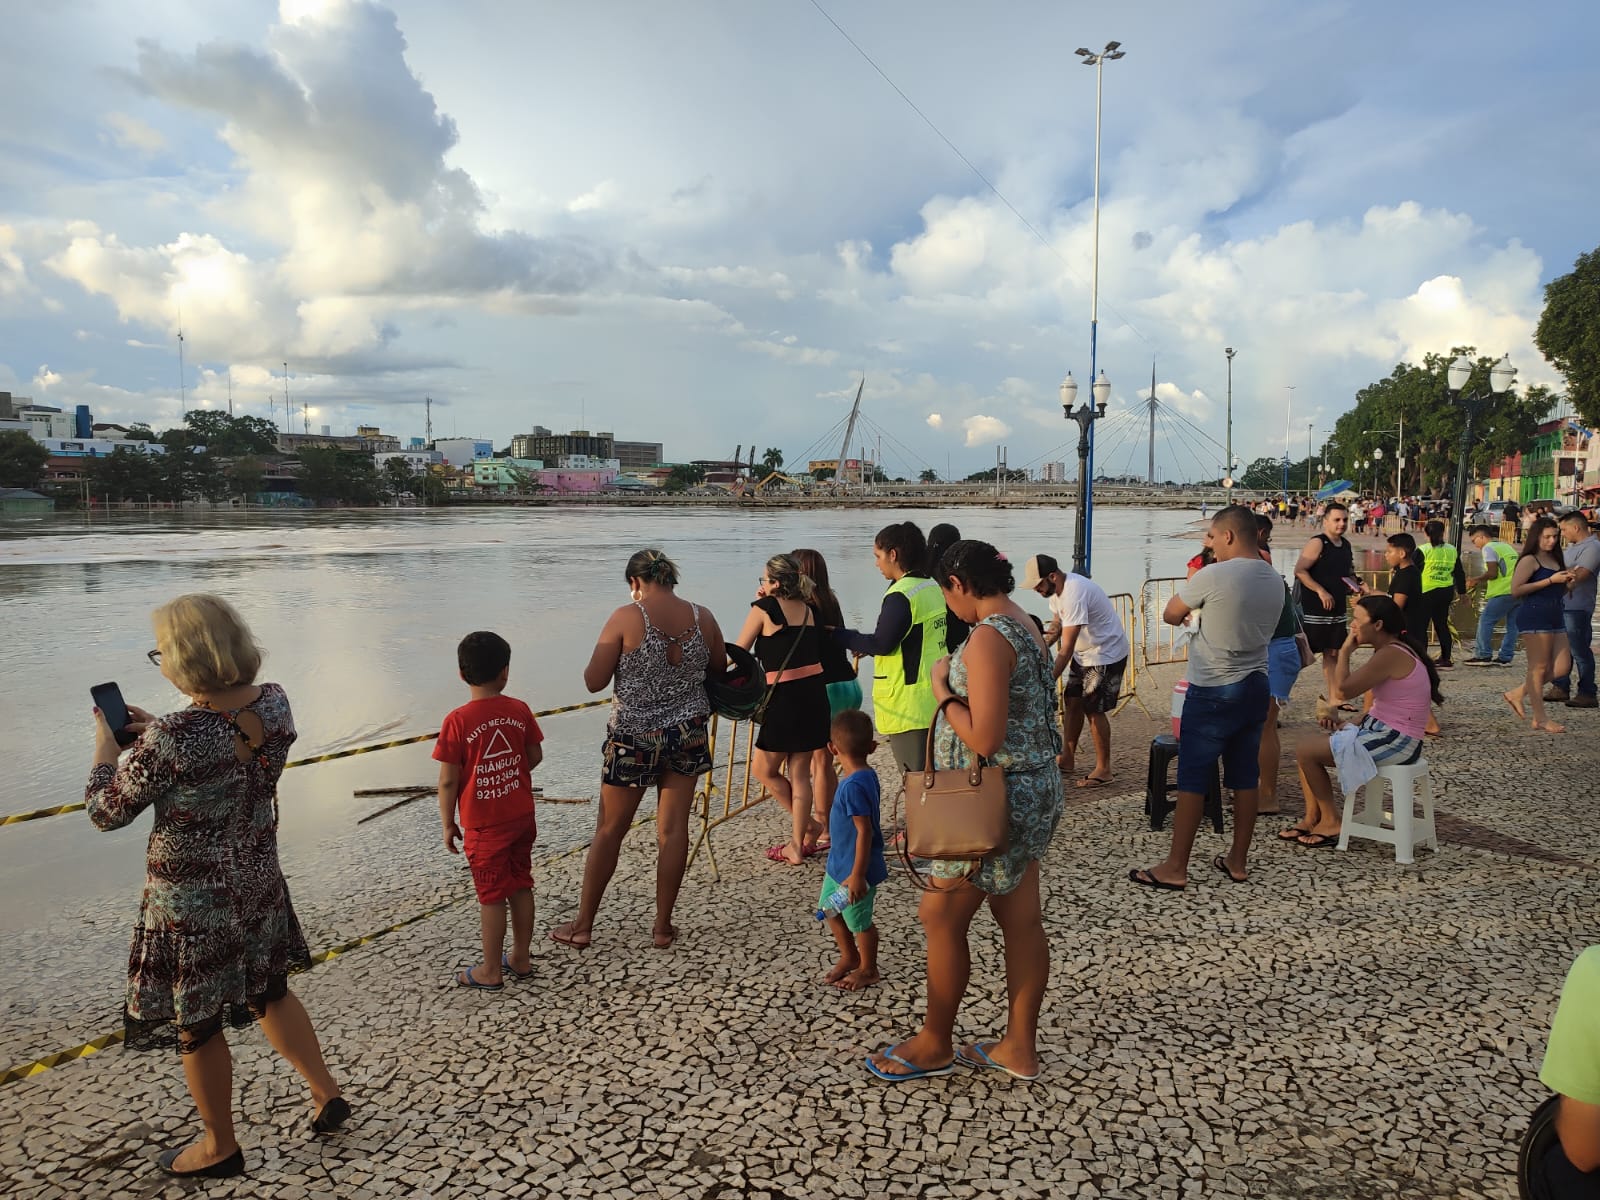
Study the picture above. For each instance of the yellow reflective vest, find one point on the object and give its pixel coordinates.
(902, 681)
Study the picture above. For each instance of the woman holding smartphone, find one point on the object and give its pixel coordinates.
(1540, 582)
(216, 936)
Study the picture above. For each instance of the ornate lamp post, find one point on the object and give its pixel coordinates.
(1085, 416)
(1457, 377)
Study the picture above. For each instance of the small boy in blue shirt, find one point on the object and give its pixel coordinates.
(855, 858)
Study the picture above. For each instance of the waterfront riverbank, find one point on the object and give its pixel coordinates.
(1340, 1025)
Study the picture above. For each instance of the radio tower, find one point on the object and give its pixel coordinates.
(427, 432)
(288, 413)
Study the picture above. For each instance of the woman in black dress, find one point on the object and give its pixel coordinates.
(782, 630)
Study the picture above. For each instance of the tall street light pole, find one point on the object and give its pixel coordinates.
(1227, 465)
(1085, 415)
(1288, 410)
(1457, 376)
(1112, 52)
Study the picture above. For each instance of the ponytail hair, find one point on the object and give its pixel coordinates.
(982, 569)
(652, 566)
(823, 601)
(1386, 614)
(788, 580)
(940, 538)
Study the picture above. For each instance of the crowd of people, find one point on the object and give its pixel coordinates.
(960, 672)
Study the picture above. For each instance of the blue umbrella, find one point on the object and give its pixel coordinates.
(1334, 488)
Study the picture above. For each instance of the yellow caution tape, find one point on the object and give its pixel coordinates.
(58, 810)
(40, 1065)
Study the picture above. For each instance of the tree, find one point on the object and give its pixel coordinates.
(1434, 421)
(126, 475)
(684, 475)
(1263, 475)
(822, 473)
(1569, 333)
(772, 460)
(398, 478)
(21, 459)
(929, 475)
(245, 475)
(226, 435)
(329, 475)
(140, 432)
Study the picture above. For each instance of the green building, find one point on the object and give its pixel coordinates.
(20, 502)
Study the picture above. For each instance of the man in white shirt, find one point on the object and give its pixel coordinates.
(1092, 648)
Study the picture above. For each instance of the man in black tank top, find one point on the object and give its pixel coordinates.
(1325, 563)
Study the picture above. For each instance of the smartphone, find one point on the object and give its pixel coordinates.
(1352, 583)
(108, 699)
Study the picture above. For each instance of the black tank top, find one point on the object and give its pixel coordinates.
(1331, 567)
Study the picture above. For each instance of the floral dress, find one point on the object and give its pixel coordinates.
(216, 936)
(1028, 757)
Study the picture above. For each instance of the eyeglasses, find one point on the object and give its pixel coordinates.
(154, 656)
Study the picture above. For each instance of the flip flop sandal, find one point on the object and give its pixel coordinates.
(980, 1058)
(1092, 781)
(465, 979)
(1319, 841)
(1292, 834)
(1143, 878)
(1221, 863)
(915, 1071)
(505, 965)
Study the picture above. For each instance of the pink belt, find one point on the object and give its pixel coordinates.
(794, 673)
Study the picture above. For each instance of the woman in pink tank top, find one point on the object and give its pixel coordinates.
(1403, 682)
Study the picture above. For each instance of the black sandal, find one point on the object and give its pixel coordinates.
(334, 1114)
(223, 1168)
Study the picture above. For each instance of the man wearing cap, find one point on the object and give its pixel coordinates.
(1092, 648)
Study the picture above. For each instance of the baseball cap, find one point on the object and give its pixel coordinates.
(1036, 568)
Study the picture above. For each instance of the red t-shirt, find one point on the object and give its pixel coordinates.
(488, 740)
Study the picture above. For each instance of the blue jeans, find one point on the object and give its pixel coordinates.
(1223, 722)
(1580, 632)
(1495, 608)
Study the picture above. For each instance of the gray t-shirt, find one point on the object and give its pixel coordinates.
(1239, 600)
(1584, 554)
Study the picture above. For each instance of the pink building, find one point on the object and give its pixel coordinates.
(559, 479)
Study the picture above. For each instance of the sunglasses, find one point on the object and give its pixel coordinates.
(154, 656)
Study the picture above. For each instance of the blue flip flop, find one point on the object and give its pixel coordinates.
(465, 979)
(505, 965)
(983, 1060)
(915, 1071)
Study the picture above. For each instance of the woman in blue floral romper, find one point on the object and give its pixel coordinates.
(1002, 707)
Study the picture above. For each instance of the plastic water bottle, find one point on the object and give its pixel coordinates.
(837, 901)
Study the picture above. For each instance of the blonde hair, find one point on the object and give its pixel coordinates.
(205, 644)
(788, 580)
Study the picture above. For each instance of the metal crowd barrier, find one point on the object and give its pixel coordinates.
(1158, 641)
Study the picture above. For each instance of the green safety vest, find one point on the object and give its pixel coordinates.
(1501, 584)
(902, 680)
(1438, 567)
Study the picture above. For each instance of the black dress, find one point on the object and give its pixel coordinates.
(796, 719)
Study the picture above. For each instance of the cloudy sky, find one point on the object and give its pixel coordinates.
(701, 222)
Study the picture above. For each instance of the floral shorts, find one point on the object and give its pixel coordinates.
(641, 759)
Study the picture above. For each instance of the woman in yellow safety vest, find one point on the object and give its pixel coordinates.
(1438, 589)
(908, 640)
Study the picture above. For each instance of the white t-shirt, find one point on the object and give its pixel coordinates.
(1083, 602)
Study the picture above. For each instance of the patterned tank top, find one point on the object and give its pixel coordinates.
(651, 691)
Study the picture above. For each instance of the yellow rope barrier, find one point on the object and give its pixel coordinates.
(38, 813)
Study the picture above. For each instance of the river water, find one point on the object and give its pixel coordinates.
(359, 613)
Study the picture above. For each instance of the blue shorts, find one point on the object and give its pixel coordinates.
(1283, 668)
(1223, 722)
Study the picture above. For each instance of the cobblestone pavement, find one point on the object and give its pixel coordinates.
(1339, 1027)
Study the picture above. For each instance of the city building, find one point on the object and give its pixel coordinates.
(505, 474)
(552, 447)
(587, 462)
(418, 460)
(462, 451)
(1054, 472)
(368, 439)
(1553, 466)
(855, 469)
(9, 405)
(638, 454)
(42, 421)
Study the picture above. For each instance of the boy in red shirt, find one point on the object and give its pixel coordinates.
(487, 750)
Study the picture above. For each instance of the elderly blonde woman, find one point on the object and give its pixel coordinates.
(216, 936)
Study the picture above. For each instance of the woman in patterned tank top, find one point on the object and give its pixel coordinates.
(655, 653)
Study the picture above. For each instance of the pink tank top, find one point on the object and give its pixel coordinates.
(1402, 704)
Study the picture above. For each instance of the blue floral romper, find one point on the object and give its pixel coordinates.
(1028, 757)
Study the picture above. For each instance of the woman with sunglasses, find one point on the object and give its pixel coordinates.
(216, 936)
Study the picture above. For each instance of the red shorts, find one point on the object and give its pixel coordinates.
(501, 858)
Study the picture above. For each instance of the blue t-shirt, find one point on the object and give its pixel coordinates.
(857, 797)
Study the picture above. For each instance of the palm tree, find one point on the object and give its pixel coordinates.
(929, 475)
(772, 460)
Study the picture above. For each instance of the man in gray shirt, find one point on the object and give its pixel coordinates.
(1233, 607)
(1582, 557)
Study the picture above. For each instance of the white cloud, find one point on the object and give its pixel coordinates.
(787, 351)
(983, 430)
(935, 421)
(130, 133)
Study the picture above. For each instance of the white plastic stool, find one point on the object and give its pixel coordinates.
(1405, 834)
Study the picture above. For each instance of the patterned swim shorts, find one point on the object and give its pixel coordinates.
(1098, 687)
(641, 759)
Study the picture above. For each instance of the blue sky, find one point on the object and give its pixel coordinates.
(700, 223)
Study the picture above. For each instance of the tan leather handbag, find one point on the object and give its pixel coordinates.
(953, 815)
